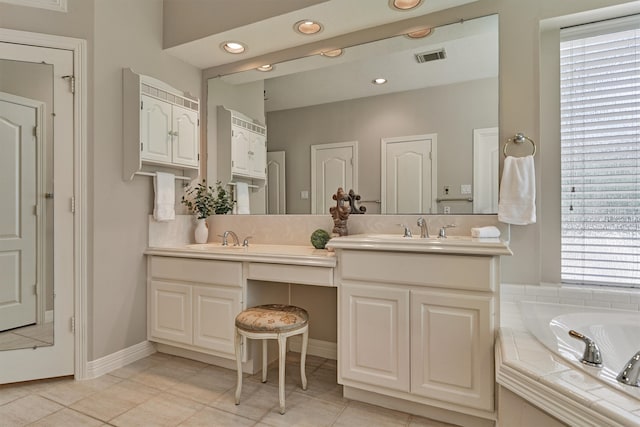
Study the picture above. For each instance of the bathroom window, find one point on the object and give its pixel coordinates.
(600, 149)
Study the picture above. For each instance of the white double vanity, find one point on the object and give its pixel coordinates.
(417, 318)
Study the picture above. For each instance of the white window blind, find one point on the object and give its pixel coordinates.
(600, 149)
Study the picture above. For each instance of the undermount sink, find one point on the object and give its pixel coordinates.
(214, 246)
(399, 238)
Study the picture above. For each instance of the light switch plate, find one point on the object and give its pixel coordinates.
(465, 189)
(304, 194)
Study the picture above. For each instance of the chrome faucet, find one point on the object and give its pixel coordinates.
(443, 231)
(234, 236)
(424, 228)
(407, 231)
(591, 354)
(630, 374)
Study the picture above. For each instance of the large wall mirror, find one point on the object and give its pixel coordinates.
(426, 141)
(26, 219)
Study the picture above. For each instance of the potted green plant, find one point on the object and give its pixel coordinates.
(200, 200)
(222, 204)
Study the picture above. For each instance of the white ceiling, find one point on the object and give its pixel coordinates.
(339, 17)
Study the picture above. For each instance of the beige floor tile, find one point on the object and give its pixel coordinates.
(115, 400)
(208, 417)
(67, 418)
(26, 410)
(363, 415)
(70, 391)
(163, 410)
(206, 385)
(11, 393)
(416, 421)
(255, 401)
(303, 411)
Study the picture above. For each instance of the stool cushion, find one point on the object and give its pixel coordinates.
(272, 318)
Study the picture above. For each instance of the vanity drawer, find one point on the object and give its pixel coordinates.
(214, 272)
(477, 273)
(302, 274)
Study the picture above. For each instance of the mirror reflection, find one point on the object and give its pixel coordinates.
(424, 141)
(26, 220)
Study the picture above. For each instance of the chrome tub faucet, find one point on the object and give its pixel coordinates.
(630, 374)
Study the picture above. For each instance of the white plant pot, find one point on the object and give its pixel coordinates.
(202, 231)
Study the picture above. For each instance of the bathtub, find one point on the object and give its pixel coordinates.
(616, 332)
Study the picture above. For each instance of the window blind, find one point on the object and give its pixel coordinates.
(600, 150)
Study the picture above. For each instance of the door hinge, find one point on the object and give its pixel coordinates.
(35, 289)
(72, 324)
(73, 204)
(72, 82)
(141, 146)
(142, 105)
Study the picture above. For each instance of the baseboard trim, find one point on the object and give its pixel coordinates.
(326, 349)
(119, 359)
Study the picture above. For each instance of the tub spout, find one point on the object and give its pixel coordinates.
(591, 354)
(630, 374)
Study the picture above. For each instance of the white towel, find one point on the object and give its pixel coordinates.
(164, 185)
(488, 231)
(517, 203)
(242, 198)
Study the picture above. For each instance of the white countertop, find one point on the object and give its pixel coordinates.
(274, 254)
(526, 367)
(452, 245)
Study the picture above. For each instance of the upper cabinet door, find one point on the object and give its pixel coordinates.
(240, 143)
(186, 141)
(258, 156)
(155, 130)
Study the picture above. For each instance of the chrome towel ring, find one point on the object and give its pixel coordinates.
(519, 138)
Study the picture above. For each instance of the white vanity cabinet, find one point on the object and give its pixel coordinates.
(161, 126)
(418, 326)
(193, 303)
(242, 147)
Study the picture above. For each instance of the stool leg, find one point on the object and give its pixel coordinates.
(282, 346)
(238, 366)
(264, 361)
(303, 358)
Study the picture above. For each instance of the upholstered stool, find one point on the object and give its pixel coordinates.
(278, 322)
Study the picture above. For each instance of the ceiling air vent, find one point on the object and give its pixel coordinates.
(430, 56)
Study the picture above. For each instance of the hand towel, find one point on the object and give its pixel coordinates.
(164, 185)
(488, 231)
(517, 204)
(242, 198)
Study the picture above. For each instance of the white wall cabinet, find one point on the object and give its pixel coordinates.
(242, 147)
(161, 127)
(193, 303)
(420, 327)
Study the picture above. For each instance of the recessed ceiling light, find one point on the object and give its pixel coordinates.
(379, 81)
(307, 27)
(418, 34)
(233, 47)
(332, 53)
(404, 4)
(265, 67)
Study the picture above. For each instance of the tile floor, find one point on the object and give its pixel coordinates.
(27, 337)
(164, 390)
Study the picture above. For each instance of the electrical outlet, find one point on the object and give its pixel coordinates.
(447, 210)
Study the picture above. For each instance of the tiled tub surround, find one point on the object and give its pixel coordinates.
(527, 368)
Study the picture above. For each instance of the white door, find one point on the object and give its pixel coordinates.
(258, 156)
(276, 188)
(155, 130)
(240, 142)
(186, 136)
(408, 174)
(58, 359)
(332, 166)
(485, 170)
(17, 212)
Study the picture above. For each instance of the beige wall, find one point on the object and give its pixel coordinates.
(451, 112)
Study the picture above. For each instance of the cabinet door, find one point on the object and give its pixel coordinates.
(452, 348)
(215, 311)
(258, 156)
(374, 326)
(155, 130)
(186, 137)
(170, 311)
(240, 143)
